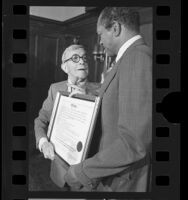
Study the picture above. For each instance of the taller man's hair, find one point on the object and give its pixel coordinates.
(126, 16)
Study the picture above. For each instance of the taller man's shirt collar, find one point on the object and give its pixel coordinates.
(126, 45)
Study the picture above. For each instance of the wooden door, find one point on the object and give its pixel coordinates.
(44, 69)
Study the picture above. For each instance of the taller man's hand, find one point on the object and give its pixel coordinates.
(72, 180)
(48, 150)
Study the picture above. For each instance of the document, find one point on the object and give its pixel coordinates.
(71, 126)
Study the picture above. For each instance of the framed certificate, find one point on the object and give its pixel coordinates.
(72, 124)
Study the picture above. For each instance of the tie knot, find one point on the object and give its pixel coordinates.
(76, 88)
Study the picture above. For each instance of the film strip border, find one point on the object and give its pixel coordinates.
(15, 102)
(166, 133)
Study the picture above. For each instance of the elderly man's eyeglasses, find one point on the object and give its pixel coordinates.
(76, 58)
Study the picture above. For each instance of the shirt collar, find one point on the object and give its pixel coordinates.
(126, 45)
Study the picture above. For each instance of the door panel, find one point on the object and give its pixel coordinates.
(44, 64)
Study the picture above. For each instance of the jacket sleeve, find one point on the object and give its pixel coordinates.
(42, 121)
(134, 122)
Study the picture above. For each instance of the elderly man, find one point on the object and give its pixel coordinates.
(123, 159)
(74, 63)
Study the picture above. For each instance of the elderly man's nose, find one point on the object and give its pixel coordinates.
(81, 61)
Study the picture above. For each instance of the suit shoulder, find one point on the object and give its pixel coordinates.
(138, 58)
(144, 49)
(138, 52)
(58, 85)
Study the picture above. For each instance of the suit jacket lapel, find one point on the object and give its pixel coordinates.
(64, 87)
(108, 80)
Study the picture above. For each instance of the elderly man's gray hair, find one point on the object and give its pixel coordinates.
(66, 52)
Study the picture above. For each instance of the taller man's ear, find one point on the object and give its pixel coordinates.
(117, 28)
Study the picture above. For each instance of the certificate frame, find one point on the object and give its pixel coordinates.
(61, 140)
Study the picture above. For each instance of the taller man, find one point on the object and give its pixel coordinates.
(122, 162)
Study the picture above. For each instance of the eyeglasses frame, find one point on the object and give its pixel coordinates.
(80, 57)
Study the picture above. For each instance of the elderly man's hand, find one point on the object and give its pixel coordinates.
(48, 150)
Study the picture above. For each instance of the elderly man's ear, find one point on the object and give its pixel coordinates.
(64, 67)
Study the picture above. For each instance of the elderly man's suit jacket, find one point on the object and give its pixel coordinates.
(42, 121)
(121, 163)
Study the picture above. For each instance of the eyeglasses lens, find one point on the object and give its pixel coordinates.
(75, 58)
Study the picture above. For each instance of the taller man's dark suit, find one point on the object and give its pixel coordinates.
(121, 164)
